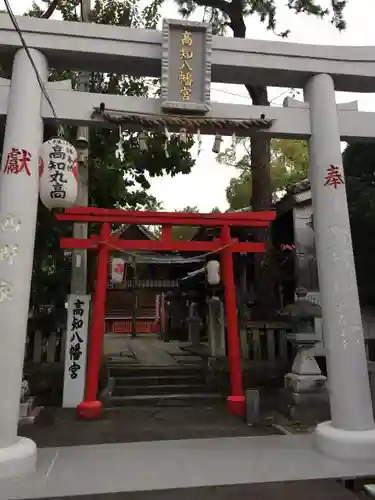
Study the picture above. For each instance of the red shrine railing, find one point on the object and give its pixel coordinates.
(124, 325)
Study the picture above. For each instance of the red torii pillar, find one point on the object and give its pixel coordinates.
(236, 401)
(92, 408)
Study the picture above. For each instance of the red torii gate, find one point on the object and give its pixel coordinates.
(105, 242)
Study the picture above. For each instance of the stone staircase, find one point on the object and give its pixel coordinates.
(159, 385)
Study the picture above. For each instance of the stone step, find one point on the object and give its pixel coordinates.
(156, 380)
(126, 370)
(164, 399)
(159, 390)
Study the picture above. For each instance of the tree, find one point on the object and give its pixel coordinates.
(359, 160)
(233, 13)
(238, 190)
(289, 164)
(118, 177)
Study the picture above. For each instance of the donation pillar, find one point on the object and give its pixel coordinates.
(19, 181)
(351, 433)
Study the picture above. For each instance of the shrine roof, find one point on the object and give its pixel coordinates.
(297, 194)
(146, 232)
(300, 187)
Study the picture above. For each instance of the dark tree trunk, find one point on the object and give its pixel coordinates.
(264, 277)
(266, 297)
(51, 9)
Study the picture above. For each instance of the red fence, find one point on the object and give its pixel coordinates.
(124, 325)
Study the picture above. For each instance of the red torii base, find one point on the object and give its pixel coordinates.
(91, 408)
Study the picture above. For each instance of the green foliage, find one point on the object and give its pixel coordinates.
(192, 209)
(359, 161)
(119, 172)
(51, 270)
(224, 13)
(289, 164)
(238, 192)
(123, 179)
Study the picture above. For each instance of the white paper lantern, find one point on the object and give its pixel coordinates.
(213, 272)
(58, 174)
(117, 270)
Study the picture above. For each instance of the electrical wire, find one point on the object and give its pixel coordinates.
(156, 88)
(27, 50)
(247, 96)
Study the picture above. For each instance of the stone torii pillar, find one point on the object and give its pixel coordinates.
(351, 433)
(19, 189)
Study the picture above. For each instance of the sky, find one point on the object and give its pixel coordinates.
(205, 186)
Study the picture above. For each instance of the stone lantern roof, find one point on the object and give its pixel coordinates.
(302, 308)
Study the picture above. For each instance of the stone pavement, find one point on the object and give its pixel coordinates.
(183, 464)
(147, 350)
(60, 427)
(193, 453)
(292, 490)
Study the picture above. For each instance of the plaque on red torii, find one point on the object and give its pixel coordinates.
(106, 242)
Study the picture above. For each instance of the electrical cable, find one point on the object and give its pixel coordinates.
(27, 50)
(247, 96)
(156, 88)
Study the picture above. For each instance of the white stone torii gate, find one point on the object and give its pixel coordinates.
(318, 70)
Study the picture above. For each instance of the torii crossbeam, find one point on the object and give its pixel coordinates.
(106, 242)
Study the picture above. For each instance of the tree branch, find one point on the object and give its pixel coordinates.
(236, 16)
(51, 9)
(247, 148)
(215, 4)
(258, 94)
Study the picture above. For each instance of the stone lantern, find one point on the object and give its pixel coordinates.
(305, 384)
